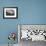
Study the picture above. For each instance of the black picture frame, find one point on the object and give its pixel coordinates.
(10, 12)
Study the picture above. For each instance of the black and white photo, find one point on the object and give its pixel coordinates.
(10, 13)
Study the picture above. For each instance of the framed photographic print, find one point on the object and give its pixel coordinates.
(10, 13)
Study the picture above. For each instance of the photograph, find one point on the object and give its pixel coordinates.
(10, 13)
